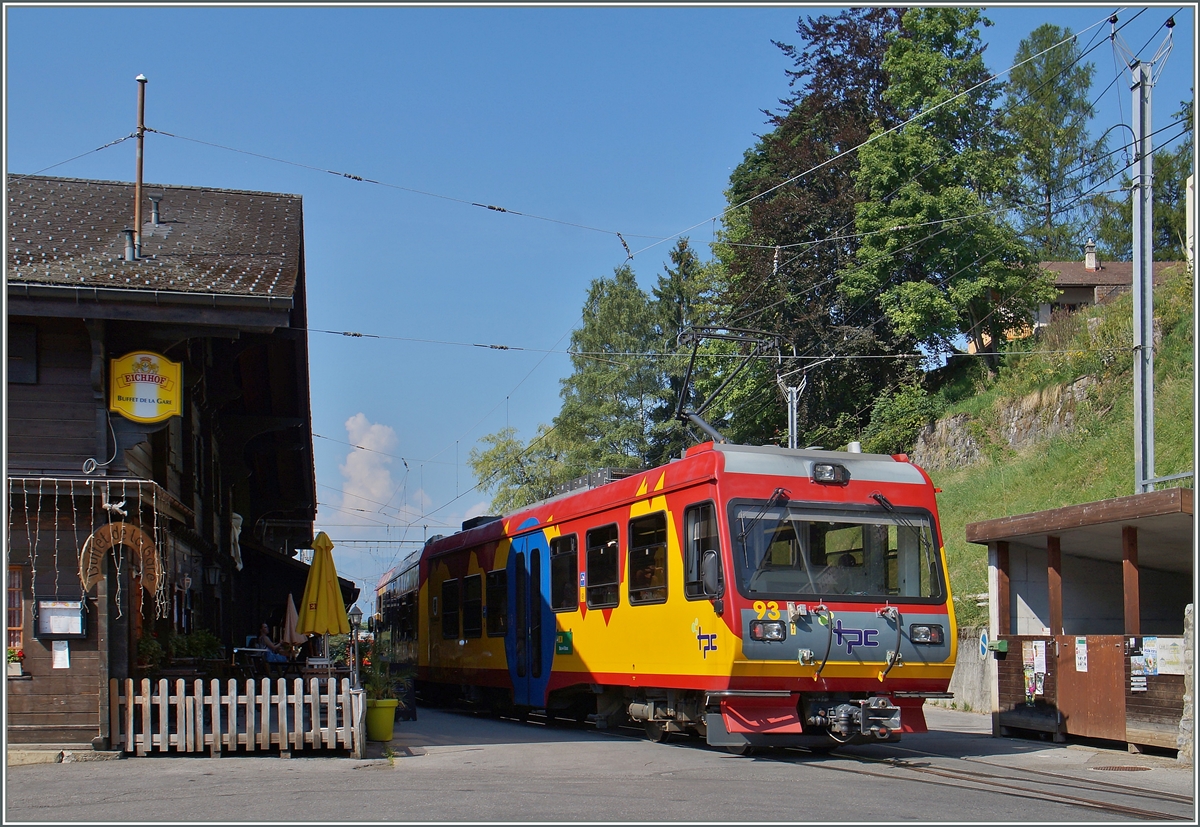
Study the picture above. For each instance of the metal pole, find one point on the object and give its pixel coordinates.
(137, 184)
(354, 631)
(792, 398)
(1143, 281)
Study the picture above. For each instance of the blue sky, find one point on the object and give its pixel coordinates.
(622, 119)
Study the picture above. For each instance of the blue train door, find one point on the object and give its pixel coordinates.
(528, 645)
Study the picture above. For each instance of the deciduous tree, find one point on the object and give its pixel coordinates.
(934, 247)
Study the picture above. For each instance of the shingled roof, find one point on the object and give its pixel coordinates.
(1111, 273)
(67, 232)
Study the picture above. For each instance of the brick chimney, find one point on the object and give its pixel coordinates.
(1089, 256)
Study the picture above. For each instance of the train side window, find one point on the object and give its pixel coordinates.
(700, 535)
(497, 603)
(406, 623)
(564, 573)
(603, 572)
(472, 606)
(450, 608)
(648, 559)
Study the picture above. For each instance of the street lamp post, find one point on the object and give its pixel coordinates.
(355, 615)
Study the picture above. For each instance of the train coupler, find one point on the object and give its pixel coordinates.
(875, 717)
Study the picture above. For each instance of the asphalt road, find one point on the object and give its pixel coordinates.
(454, 766)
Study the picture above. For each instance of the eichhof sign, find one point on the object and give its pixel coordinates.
(145, 387)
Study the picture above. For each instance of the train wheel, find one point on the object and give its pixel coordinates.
(656, 732)
(740, 749)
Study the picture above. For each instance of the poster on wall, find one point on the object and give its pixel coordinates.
(1172, 655)
(1039, 656)
(1137, 673)
(60, 654)
(1080, 654)
(1150, 655)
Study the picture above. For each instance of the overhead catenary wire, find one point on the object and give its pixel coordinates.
(1001, 209)
(1024, 98)
(838, 237)
(401, 188)
(475, 204)
(1004, 300)
(74, 158)
(891, 356)
(599, 354)
(920, 115)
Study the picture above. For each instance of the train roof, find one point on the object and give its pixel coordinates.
(699, 462)
(387, 576)
(798, 462)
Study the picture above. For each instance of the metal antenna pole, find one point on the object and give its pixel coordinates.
(137, 184)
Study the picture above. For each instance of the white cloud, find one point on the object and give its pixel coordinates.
(368, 479)
(478, 510)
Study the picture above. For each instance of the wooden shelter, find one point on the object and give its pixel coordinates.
(1087, 617)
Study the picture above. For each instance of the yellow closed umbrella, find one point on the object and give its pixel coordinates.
(322, 611)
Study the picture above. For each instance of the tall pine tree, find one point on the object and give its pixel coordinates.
(1047, 113)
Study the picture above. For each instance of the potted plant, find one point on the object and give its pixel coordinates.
(201, 644)
(381, 700)
(149, 653)
(15, 658)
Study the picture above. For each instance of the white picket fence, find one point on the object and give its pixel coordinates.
(187, 716)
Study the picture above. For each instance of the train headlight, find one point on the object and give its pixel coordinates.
(926, 633)
(830, 473)
(767, 630)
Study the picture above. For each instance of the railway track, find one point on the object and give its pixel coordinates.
(1096, 795)
(1037, 785)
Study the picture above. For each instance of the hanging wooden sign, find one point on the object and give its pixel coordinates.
(144, 554)
(145, 387)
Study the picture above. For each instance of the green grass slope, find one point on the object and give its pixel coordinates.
(1095, 460)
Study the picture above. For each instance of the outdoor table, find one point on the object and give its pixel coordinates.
(338, 672)
(249, 662)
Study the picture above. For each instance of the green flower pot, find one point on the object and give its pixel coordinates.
(381, 718)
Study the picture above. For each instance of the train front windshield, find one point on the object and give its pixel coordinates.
(800, 552)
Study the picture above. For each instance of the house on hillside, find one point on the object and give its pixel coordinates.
(1091, 281)
(1081, 284)
(160, 462)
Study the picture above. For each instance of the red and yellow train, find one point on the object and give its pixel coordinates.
(758, 596)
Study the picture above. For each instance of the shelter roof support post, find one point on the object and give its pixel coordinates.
(1054, 582)
(1129, 567)
(999, 555)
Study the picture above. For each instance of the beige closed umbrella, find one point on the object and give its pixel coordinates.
(292, 637)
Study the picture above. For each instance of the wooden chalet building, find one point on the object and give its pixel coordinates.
(138, 514)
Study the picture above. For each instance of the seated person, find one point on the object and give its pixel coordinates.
(273, 653)
(646, 585)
